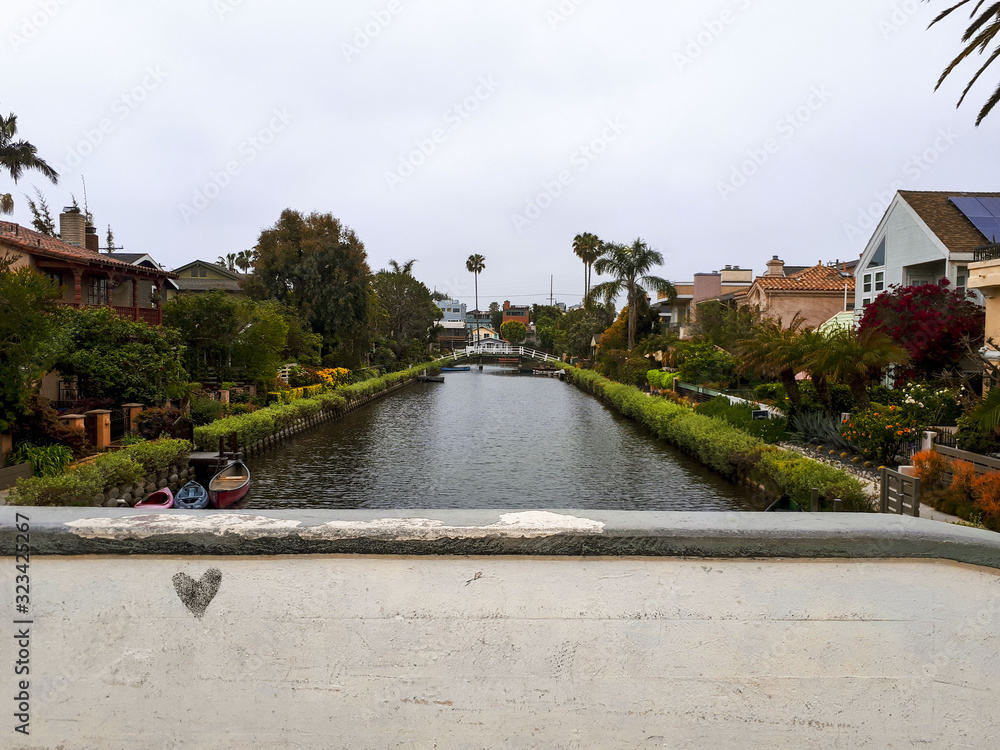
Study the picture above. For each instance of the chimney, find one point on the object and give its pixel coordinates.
(72, 226)
(91, 239)
(775, 267)
(506, 304)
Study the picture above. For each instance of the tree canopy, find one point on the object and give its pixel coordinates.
(984, 26)
(407, 312)
(16, 156)
(934, 324)
(120, 359)
(630, 266)
(231, 337)
(513, 331)
(318, 267)
(27, 327)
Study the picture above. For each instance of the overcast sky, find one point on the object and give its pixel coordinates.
(720, 132)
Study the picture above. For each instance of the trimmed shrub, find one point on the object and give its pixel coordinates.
(114, 470)
(75, 488)
(727, 449)
(159, 455)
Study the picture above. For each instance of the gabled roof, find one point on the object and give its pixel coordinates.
(35, 243)
(818, 278)
(945, 220)
(208, 285)
(215, 267)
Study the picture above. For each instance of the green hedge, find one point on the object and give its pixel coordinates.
(80, 486)
(726, 449)
(250, 428)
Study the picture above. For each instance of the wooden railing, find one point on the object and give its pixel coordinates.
(149, 315)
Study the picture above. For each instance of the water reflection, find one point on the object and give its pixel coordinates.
(490, 439)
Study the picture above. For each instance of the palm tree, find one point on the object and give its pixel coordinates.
(588, 248)
(227, 262)
(982, 30)
(17, 156)
(475, 265)
(854, 358)
(244, 260)
(406, 268)
(630, 265)
(774, 352)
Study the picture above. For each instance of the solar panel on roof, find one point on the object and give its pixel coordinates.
(984, 213)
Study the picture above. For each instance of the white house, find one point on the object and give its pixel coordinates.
(482, 334)
(925, 237)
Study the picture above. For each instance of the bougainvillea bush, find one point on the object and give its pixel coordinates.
(933, 323)
(880, 431)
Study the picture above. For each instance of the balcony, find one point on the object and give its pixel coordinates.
(988, 252)
(148, 315)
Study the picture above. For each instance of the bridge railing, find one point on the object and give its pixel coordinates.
(507, 350)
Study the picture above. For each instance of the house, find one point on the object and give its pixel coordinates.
(517, 313)
(482, 333)
(474, 318)
(87, 277)
(815, 294)
(925, 237)
(451, 334)
(453, 310)
(201, 276)
(683, 310)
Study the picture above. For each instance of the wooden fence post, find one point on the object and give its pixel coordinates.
(814, 501)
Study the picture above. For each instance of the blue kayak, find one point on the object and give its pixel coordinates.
(456, 369)
(192, 496)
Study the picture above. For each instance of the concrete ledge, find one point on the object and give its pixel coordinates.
(98, 531)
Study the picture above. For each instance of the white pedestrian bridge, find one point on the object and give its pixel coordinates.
(492, 348)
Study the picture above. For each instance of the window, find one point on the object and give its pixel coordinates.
(194, 273)
(878, 259)
(866, 301)
(867, 283)
(202, 272)
(879, 281)
(98, 292)
(961, 275)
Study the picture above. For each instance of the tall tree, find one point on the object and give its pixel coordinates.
(408, 310)
(980, 34)
(629, 265)
(27, 326)
(588, 248)
(227, 261)
(15, 157)
(244, 260)
(110, 240)
(496, 316)
(475, 265)
(318, 267)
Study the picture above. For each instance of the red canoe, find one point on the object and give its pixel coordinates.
(230, 485)
(162, 499)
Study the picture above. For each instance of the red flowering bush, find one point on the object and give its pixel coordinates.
(879, 431)
(931, 322)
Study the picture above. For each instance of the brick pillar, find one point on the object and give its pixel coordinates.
(6, 445)
(132, 415)
(224, 396)
(99, 428)
(77, 287)
(74, 421)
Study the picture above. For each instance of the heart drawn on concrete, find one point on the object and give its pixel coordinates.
(197, 595)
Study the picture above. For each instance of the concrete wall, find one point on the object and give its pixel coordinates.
(508, 630)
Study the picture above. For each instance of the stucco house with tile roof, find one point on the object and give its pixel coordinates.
(815, 294)
(923, 237)
(88, 278)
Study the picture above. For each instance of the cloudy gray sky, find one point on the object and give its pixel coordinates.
(720, 132)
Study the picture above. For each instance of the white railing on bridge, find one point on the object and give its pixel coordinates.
(506, 350)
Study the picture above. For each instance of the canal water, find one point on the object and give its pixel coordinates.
(491, 439)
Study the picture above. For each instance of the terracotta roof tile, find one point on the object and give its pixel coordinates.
(35, 243)
(818, 278)
(943, 218)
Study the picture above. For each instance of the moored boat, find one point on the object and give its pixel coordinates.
(192, 496)
(456, 369)
(162, 499)
(230, 485)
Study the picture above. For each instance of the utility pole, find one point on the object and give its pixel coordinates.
(550, 290)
